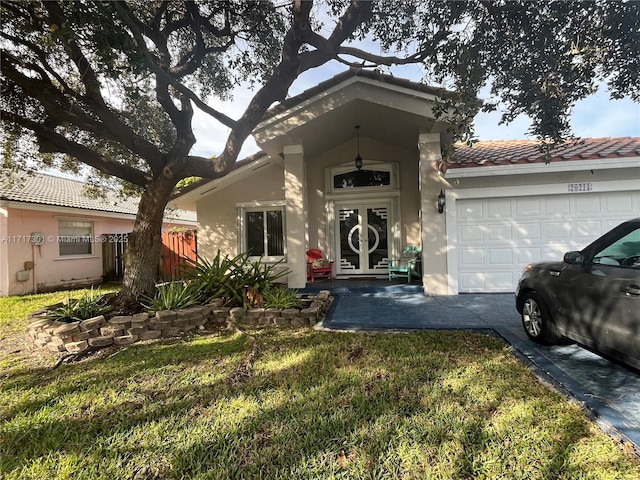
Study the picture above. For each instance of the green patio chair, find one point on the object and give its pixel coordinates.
(407, 266)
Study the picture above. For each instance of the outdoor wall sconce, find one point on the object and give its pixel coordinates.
(358, 157)
(441, 202)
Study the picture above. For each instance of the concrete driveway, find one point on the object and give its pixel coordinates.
(610, 392)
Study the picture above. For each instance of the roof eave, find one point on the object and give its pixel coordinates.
(541, 167)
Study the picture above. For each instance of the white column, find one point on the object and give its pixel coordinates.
(295, 192)
(432, 224)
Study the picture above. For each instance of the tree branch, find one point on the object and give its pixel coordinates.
(51, 142)
(62, 111)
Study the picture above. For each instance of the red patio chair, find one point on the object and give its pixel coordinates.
(318, 266)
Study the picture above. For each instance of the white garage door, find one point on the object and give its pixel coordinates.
(497, 237)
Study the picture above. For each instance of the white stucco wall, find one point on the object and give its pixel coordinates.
(218, 211)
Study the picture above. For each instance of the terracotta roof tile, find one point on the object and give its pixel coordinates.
(504, 152)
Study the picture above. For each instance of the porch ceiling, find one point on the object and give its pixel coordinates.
(389, 114)
(337, 126)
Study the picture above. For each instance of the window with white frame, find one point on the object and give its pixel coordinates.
(74, 237)
(263, 233)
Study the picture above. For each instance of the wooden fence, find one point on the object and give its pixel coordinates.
(176, 246)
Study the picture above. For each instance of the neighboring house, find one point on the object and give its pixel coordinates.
(52, 236)
(505, 205)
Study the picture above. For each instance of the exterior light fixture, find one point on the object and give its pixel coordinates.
(358, 157)
(441, 202)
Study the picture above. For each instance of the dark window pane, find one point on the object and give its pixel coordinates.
(75, 246)
(74, 237)
(275, 243)
(362, 178)
(255, 233)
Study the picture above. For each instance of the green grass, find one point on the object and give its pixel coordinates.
(317, 405)
(14, 310)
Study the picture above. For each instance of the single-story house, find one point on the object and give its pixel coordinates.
(354, 167)
(53, 236)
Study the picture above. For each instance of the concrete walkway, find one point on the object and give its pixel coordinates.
(610, 392)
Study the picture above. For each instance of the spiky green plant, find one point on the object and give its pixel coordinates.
(172, 296)
(90, 304)
(231, 278)
(281, 297)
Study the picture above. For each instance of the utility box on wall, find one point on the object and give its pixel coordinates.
(37, 238)
(22, 276)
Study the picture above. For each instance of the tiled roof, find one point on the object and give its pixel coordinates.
(509, 152)
(46, 189)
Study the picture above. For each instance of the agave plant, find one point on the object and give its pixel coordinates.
(237, 280)
(89, 305)
(172, 296)
(281, 297)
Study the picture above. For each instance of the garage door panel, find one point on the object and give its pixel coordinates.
(500, 256)
(500, 233)
(498, 237)
(473, 256)
(588, 228)
(620, 203)
(499, 281)
(472, 282)
(590, 204)
(556, 206)
(528, 255)
(530, 231)
(471, 211)
(469, 234)
(499, 208)
(528, 206)
(558, 230)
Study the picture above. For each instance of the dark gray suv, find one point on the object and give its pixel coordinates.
(591, 297)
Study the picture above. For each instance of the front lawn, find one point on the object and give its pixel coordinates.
(313, 405)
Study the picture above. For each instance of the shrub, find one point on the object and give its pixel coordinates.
(172, 296)
(91, 304)
(238, 280)
(281, 297)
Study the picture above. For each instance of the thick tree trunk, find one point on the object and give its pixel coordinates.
(144, 247)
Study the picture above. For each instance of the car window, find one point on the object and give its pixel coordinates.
(624, 252)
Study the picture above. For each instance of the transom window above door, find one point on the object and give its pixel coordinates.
(373, 175)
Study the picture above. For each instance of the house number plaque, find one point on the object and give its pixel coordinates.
(579, 187)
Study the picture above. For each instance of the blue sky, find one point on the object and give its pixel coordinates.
(596, 116)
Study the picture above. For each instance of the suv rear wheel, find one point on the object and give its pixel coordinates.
(537, 321)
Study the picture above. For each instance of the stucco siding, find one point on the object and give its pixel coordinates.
(218, 210)
(50, 269)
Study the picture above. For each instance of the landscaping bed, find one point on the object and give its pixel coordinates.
(106, 330)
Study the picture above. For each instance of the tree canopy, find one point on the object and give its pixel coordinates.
(114, 85)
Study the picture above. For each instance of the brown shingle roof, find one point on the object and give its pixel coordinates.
(509, 152)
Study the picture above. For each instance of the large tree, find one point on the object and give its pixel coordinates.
(113, 85)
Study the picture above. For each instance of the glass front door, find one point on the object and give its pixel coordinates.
(363, 239)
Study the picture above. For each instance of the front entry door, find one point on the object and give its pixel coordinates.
(363, 247)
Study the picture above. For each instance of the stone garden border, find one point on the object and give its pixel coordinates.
(100, 332)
